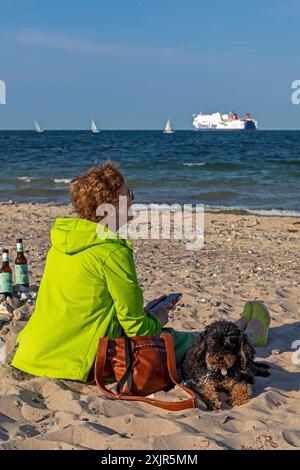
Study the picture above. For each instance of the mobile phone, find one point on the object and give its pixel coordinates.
(170, 298)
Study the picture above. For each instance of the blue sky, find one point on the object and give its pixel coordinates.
(131, 63)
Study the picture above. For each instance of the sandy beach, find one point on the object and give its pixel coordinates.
(245, 257)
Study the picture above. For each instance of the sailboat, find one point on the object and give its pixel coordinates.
(94, 128)
(168, 127)
(38, 127)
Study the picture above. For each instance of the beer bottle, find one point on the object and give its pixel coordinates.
(5, 275)
(21, 266)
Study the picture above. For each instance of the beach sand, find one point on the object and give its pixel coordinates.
(245, 257)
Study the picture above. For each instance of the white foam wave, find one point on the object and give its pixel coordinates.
(27, 179)
(274, 212)
(62, 180)
(194, 164)
(265, 212)
(208, 208)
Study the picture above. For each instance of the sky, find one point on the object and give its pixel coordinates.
(132, 63)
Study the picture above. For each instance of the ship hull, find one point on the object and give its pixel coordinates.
(223, 130)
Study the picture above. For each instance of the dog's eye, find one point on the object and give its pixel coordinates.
(231, 342)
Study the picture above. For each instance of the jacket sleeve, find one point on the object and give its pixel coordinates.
(123, 286)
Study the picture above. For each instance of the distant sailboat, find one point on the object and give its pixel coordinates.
(95, 129)
(168, 127)
(38, 127)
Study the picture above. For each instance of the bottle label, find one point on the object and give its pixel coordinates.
(19, 247)
(22, 274)
(5, 283)
(5, 257)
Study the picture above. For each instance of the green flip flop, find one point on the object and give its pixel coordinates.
(258, 326)
(245, 317)
(247, 311)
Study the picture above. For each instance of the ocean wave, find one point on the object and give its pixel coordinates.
(274, 212)
(27, 179)
(215, 209)
(62, 180)
(213, 165)
(245, 210)
(194, 164)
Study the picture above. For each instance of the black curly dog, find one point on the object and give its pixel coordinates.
(222, 359)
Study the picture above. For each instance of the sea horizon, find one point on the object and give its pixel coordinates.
(87, 129)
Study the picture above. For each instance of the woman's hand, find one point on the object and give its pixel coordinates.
(162, 311)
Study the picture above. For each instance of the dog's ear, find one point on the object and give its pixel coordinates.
(200, 348)
(246, 352)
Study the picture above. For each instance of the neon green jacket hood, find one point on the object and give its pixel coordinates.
(89, 290)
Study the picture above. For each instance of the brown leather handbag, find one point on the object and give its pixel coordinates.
(142, 365)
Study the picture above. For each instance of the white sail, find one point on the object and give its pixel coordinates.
(38, 127)
(94, 128)
(168, 127)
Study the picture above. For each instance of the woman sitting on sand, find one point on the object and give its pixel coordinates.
(89, 288)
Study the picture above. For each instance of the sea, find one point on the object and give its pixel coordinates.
(254, 172)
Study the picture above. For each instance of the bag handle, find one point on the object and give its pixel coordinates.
(128, 376)
(171, 406)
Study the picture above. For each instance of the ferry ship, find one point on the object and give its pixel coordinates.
(223, 122)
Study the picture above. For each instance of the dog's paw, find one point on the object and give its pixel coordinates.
(215, 405)
(264, 373)
(262, 365)
(248, 378)
(240, 394)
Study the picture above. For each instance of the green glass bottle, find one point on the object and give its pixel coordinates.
(21, 266)
(5, 275)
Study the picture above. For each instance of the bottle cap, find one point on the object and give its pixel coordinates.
(19, 240)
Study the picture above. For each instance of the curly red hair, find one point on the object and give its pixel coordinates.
(100, 184)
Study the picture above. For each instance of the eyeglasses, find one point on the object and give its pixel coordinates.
(130, 193)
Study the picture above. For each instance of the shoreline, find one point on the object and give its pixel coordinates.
(208, 209)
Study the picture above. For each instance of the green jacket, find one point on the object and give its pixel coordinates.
(89, 290)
